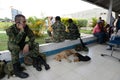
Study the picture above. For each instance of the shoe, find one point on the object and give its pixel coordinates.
(17, 72)
(36, 64)
(21, 74)
(42, 61)
(38, 68)
(47, 67)
(110, 48)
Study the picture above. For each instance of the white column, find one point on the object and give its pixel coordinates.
(109, 12)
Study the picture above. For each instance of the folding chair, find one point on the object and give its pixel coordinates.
(115, 44)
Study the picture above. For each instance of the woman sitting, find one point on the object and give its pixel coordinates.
(99, 32)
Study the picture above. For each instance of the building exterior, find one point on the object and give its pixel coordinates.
(88, 14)
(14, 12)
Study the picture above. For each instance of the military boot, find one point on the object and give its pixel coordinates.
(21, 68)
(42, 61)
(17, 71)
(36, 64)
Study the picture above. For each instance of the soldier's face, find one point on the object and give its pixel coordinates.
(22, 21)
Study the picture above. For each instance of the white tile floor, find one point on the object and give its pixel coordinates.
(99, 68)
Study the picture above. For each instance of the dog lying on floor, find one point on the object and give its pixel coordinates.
(65, 55)
(80, 57)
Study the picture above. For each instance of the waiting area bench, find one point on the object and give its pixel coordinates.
(115, 44)
(53, 48)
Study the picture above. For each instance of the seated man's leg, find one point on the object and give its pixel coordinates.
(43, 61)
(76, 36)
(101, 37)
(34, 53)
(59, 38)
(109, 47)
(71, 36)
(15, 49)
(113, 37)
(98, 37)
(67, 35)
(48, 40)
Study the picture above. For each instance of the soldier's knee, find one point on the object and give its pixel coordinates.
(34, 46)
(14, 47)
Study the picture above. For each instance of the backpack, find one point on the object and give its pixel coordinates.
(2, 65)
(28, 60)
(8, 69)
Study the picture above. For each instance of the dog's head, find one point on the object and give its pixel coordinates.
(58, 58)
(76, 57)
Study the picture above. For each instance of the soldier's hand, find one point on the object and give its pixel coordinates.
(20, 26)
(26, 48)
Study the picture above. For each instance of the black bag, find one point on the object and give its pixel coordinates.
(2, 65)
(8, 69)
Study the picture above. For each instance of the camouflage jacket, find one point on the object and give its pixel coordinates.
(58, 29)
(73, 29)
(18, 37)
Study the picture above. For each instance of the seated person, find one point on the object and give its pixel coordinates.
(113, 36)
(17, 42)
(57, 32)
(73, 31)
(108, 30)
(118, 24)
(50, 23)
(99, 32)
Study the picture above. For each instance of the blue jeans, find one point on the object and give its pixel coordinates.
(100, 36)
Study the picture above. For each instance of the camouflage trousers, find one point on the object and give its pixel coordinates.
(54, 38)
(33, 51)
(49, 40)
(71, 36)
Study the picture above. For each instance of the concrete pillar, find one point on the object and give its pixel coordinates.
(109, 12)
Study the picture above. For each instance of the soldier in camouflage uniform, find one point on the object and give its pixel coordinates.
(17, 34)
(73, 31)
(58, 33)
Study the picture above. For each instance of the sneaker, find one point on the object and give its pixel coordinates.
(109, 48)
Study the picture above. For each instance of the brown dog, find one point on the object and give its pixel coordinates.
(64, 55)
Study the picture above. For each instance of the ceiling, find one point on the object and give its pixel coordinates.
(105, 4)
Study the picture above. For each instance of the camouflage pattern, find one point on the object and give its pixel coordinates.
(17, 40)
(73, 32)
(58, 32)
(2, 72)
(9, 69)
(79, 47)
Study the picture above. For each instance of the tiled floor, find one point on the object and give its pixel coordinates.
(99, 68)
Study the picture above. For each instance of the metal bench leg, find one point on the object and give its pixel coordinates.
(111, 55)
